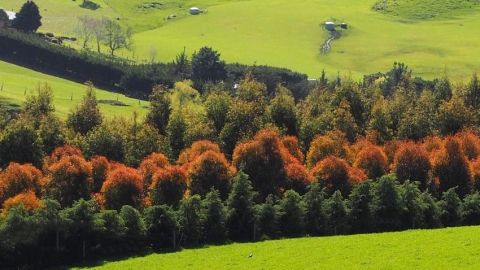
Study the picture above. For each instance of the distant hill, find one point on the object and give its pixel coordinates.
(430, 36)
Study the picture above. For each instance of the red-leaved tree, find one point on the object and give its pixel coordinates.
(291, 145)
(336, 174)
(210, 169)
(149, 166)
(17, 178)
(412, 163)
(196, 149)
(68, 178)
(451, 167)
(332, 144)
(169, 186)
(122, 187)
(100, 168)
(28, 199)
(297, 178)
(372, 160)
(470, 143)
(262, 160)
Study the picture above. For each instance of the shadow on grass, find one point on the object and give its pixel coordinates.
(90, 5)
(106, 259)
(114, 258)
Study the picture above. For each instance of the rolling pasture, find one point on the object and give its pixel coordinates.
(18, 82)
(431, 37)
(451, 248)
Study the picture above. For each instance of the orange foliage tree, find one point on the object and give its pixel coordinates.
(390, 148)
(297, 178)
(470, 143)
(412, 163)
(122, 187)
(291, 145)
(262, 160)
(336, 174)
(100, 167)
(68, 177)
(16, 179)
(60, 152)
(28, 199)
(321, 147)
(372, 160)
(150, 165)
(451, 167)
(196, 149)
(475, 170)
(169, 186)
(210, 169)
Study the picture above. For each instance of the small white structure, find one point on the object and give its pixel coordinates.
(330, 26)
(194, 11)
(312, 82)
(11, 15)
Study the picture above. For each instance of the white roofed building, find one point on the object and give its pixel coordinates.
(11, 15)
(7, 21)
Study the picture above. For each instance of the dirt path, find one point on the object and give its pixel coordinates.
(326, 45)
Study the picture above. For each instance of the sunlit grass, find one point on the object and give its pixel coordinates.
(451, 248)
(289, 33)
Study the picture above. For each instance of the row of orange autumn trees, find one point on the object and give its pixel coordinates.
(274, 164)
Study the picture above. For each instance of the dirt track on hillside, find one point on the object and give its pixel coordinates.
(326, 45)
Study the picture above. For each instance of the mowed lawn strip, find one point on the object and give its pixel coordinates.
(19, 82)
(450, 248)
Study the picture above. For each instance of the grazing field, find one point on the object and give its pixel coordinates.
(421, 10)
(429, 36)
(18, 82)
(451, 248)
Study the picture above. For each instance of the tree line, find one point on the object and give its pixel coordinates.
(43, 233)
(236, 165)
(204, 68)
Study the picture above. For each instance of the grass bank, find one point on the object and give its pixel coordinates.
(451, 248)
(18, 82)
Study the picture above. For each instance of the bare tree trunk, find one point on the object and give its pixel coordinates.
(57, 243)
(174, 241)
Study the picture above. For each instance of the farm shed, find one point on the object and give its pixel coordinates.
(312, 82)
(330, 26)
(194, 11)
(11, 15)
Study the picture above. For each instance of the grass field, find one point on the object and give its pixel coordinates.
(18, 82)
(287, 33)
(421, 10)
(429, 36)
(451, 248)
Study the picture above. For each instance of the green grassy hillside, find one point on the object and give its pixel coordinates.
(451, 248)
(429, 36)
(18, 82)
(425, 10)
(287, 33)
